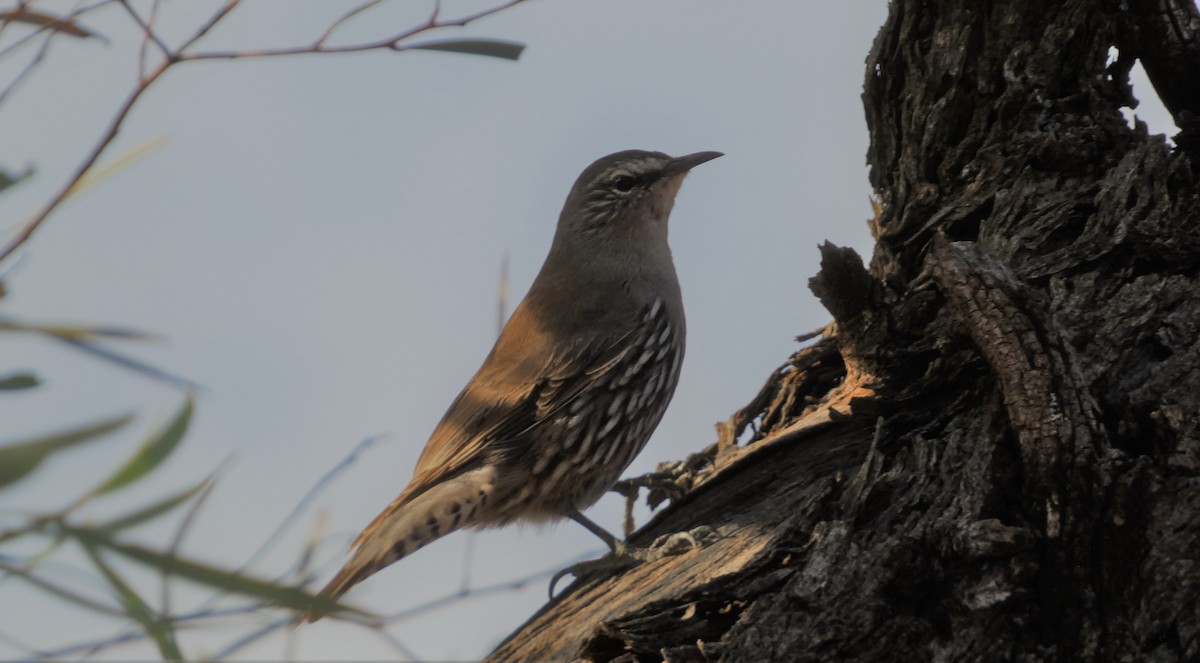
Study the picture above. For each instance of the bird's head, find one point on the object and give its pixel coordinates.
(626, 195)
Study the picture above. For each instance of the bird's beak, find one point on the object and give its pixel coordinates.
(680, 165)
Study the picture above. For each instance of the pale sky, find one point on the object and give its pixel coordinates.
(319, 240)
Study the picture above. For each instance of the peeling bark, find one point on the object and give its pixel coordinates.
(993, 453)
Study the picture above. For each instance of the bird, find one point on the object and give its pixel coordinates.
(577, 381)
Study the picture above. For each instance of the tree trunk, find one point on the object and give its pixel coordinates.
(993, 453)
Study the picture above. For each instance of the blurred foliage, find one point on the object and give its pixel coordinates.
(19, 460)
(8, 179)
(27, 30)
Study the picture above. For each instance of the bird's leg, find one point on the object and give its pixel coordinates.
(622, 556)
(614, 544)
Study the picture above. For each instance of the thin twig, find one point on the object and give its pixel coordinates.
(313, 492)
(389, 43)
(50, 27)
(345, 17)
(18, 644)
(395, 643)
(184, 525)
(317, 488)
(38, 58)
(211, 23)
(109, 135)
(475, 593)
(126, 637)
(146, 80)
(22, 5)
(132, 636)
(148, 35)
(251, 637)
(65, 594)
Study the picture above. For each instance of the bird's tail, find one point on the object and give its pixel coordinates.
(408, 524)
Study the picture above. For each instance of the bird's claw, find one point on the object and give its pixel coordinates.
(626, 556)
(676, 543)
(623, 558)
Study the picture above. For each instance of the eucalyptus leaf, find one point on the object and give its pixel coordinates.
(158, 629)
(285, 596)
(153, 511)
(493, 48)
(15, 381)
(153, 451)
(77, 332)
(8, 179)
(18, 460)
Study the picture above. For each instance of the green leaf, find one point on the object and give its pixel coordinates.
(77, 332)
(84, 337)
(158, 629)
(152, 452)
(493, 48)
(286, 596)
(15, 381)
(154, 510)
(18, 460)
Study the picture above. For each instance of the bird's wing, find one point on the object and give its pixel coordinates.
(515, 390)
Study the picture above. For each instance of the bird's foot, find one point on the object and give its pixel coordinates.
(677, 543)
(626, 557)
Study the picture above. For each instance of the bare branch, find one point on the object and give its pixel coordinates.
(48, 28)
(212, 22)
(38, 58)
(148, 35)
(345, 17)
(392, 43)
(389, 43)
(21, 6)
(90, 160)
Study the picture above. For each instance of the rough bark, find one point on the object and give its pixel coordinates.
(994, 451)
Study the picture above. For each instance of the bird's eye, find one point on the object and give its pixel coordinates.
(623, 183)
